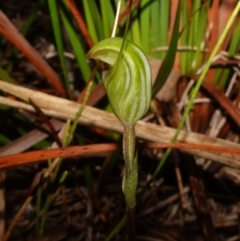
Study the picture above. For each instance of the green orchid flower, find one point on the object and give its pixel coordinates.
(128, 82)
(128, 85)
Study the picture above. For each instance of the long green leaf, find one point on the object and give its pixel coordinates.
(184, 37)
(135, 29)
(107, 17)
(78, 48)
(155, 33)
(93, 20)
(144, 25)
(170, 57)
(164, 25)
(58, 38)
(234, 44)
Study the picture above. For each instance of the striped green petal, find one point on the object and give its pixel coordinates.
(128, 82)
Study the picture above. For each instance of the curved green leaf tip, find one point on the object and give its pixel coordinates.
(128, 82)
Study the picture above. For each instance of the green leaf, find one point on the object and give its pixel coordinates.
(234, 44)
(58, 38)
(77, 46)
(5, 76)
(170, 57)
(144, 25)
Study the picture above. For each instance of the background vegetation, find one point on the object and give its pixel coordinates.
(193, 48)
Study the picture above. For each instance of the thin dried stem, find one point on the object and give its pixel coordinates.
(116, 19)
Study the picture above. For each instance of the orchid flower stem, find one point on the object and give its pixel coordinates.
(130, 177)
(128, 146)
(128, 85)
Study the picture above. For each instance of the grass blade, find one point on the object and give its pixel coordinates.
(5, 76)
(170, 57)
(58, 38)
(107, 17)
(155, 33)
(93, 20)
(144, 25)
(164, 25)
(76, 45)
(234, 44)
(28, 22)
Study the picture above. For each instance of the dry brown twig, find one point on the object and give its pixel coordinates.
(65, 109)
